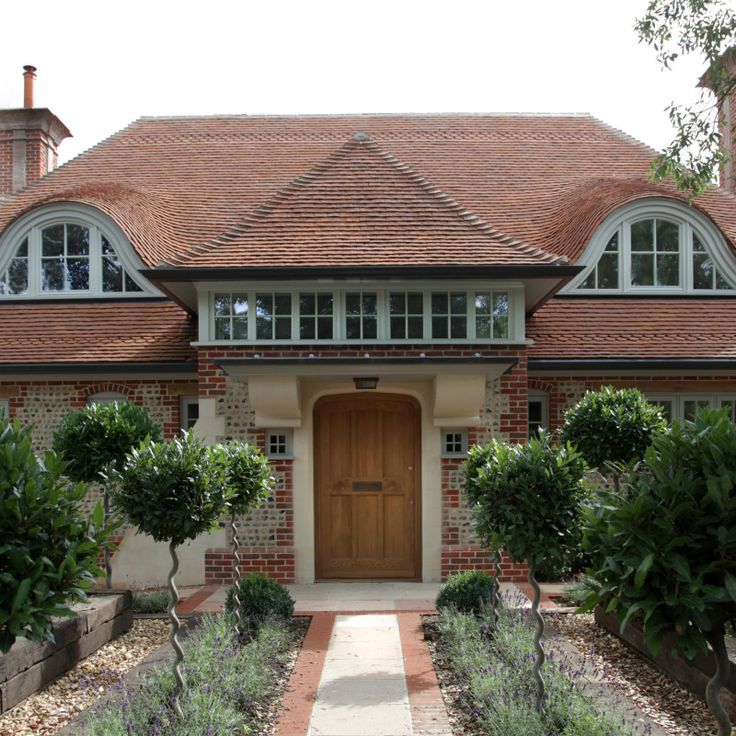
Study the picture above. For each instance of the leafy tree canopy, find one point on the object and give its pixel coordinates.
(707, 28)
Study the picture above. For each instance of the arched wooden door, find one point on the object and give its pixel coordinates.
(367, 486)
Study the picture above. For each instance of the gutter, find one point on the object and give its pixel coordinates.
(598, 364)
(71, 368)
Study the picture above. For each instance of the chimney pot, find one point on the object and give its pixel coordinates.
(29, 75)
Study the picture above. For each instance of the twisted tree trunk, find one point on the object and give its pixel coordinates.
(538, 633)
(174, 632)
(106, 508)
(236, 574)
(719, 679)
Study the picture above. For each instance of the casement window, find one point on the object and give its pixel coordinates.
(454, 441)
(188, 412)
(657, 247)
(279, 443)
(4, 409)
(68, 251)
(678, 407)
(538, 412)
(363, 315)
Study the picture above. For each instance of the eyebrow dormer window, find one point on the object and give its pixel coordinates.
(65, 257)
(669, 248)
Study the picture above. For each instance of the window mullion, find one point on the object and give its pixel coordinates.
(470, 316)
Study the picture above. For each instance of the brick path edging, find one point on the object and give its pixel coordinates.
(428, 712)
(296, 707)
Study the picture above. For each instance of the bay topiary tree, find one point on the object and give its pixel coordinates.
(612, 427)
(173, 491)
(49, 548)
(527, 500)
(94, 443)
(249, 481)
(664, 549)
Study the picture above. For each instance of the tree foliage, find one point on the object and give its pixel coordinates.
(707, 28)
(527, 498)
(248, 475)
(100, 436)
(665, 548)
(48, 547)
(173, 491)
(612, 426)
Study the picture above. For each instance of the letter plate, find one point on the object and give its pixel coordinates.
(367, 485)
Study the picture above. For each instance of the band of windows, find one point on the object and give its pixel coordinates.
(482, 314)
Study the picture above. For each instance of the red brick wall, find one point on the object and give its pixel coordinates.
(6, 162)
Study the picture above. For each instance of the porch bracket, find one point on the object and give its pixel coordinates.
(458, 399)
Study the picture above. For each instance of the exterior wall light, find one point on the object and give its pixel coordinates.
(363, 383)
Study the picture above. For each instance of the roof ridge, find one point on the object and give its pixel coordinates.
(367, 115)
(361, 138)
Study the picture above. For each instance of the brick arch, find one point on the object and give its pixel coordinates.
(103, 387)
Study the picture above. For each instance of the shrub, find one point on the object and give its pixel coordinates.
(231, 684)
(151, 601)
(527, 499)
(612, 426)
(469, 591)
(48, 547)
(261, 598)
(664, 550)
(100, 436)
(494, 676)
(173, 491)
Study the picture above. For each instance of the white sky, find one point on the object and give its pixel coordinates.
(102, 64)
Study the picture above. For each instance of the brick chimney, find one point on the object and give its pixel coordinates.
(727, 115)
(29, 140)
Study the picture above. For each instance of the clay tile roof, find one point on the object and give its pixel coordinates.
(362, 206)
(587, 328)
(95, 332)
(176, 184)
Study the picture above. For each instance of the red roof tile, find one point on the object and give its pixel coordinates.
(174, 184)
(95, 332)
(588, 328)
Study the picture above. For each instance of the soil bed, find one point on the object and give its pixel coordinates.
(49, 709)
(671, 707)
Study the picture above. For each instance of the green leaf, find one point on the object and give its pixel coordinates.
(20, 595)
(643, 569)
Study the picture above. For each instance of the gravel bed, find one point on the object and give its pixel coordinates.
(49, 709)
(663, 701)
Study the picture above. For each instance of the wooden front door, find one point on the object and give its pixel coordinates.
(367, 493)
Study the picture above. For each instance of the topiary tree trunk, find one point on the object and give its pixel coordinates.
(538, 634)
(174, 631)
(713, 691)
(236, 574)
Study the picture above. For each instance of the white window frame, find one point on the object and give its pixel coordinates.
(207, 291)
(34, 222)
(678, 401)
(184, 403)
(543, 398)
(688, 218)
(288, 435)
(463, 432)
(4, 408)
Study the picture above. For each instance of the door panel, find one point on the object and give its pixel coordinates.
(367, 494)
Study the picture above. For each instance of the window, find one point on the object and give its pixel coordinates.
(106, 397)
(264, 315)
(407, 315)
(231, 316)
(454, 442)
(315, 316)
(657, 246)
(279, 443)
(678, 407)
(188, 412)
(538, 412)
(4, 409)
(361, 315)
(68, 251)
(449, 314)
(273, 316)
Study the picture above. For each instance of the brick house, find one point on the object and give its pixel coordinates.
(362, 296)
